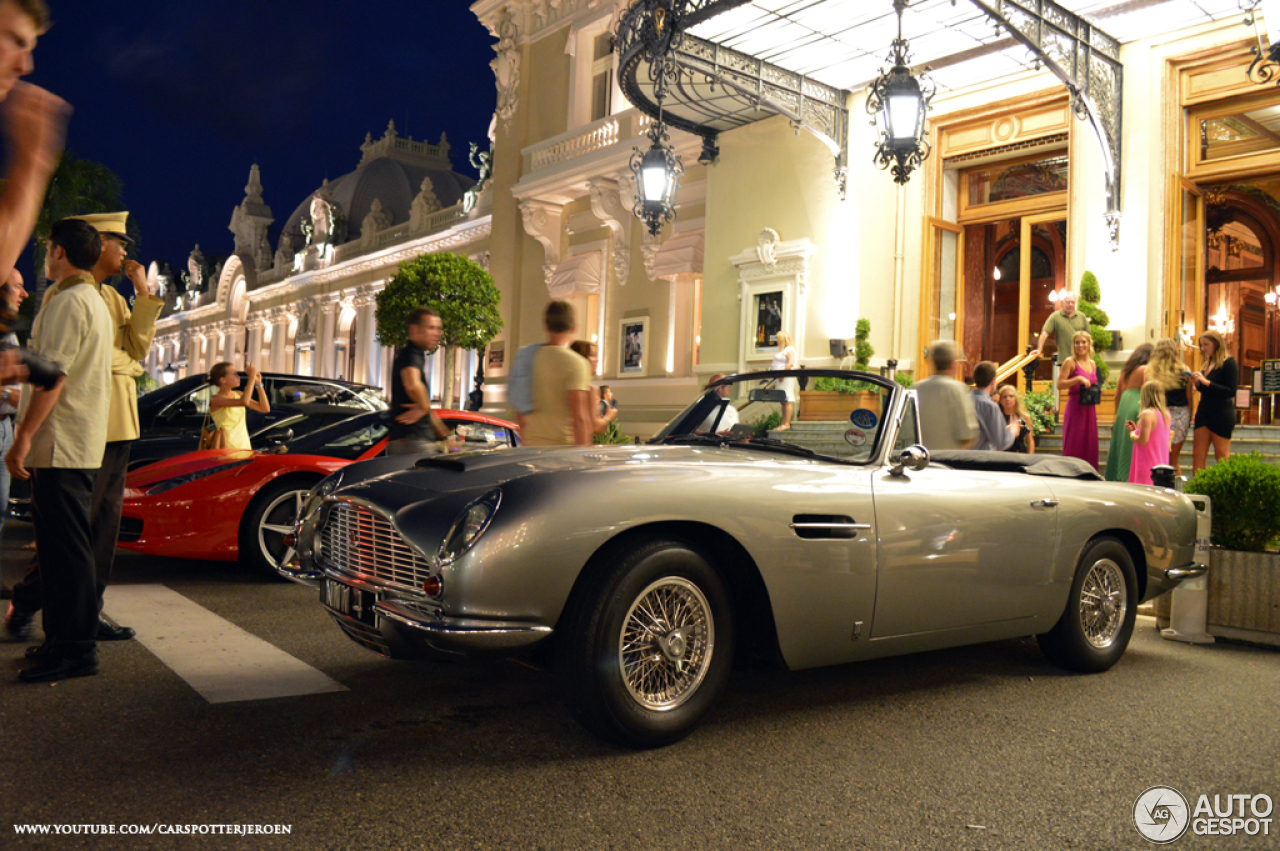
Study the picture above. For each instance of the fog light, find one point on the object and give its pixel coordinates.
(433, 586)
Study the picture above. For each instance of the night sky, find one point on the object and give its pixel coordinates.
(179, 98)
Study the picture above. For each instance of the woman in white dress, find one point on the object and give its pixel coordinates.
(786, 359)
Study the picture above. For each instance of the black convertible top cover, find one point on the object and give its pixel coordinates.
(1015, 462)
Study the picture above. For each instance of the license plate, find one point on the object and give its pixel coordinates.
(337, 596)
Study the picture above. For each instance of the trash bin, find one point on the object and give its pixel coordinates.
(1189, 602)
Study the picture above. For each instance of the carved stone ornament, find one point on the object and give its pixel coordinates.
(611, 207)
(424, 204)
(375, 222)
(307, 323)
(542, 221)
(506, 66)
(767, 248)
(284, 254)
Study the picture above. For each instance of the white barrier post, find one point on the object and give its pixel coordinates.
(1189, 605)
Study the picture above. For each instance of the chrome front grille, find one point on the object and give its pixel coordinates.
(362, 543)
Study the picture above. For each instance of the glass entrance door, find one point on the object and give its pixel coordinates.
(944, 310)
(1184, 296)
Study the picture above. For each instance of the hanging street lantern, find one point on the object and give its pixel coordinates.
(658, 170)
(168, 374)
(657, 174)
(898, 103)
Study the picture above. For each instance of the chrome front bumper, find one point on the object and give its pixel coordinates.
(385, 621)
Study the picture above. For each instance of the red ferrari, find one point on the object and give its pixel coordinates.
(225, 504)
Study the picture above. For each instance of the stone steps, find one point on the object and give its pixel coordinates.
(1264, 440)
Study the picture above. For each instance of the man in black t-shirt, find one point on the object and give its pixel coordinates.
(415, 429)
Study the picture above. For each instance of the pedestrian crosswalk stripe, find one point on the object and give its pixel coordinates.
(215, 657)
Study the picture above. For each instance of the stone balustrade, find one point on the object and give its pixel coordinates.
(596, 136)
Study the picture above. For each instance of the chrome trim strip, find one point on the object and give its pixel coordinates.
(294, 573)
(454, 634)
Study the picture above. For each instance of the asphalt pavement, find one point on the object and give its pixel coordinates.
(986, 747)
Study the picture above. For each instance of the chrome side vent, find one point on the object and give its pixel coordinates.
(826, 526)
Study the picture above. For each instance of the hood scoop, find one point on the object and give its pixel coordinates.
(441, 462)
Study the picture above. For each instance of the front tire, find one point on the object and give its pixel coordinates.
(1096, 625)
(648, 647)
(269, 517)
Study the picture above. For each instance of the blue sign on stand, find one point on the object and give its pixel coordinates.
(863, 418)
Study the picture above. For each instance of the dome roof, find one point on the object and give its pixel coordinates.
(391, 171)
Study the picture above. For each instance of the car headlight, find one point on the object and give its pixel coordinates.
(469, 525)
(317, 494)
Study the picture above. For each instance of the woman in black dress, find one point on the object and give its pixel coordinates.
(1216, 413)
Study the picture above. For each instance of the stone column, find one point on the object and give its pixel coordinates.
(279, 331)
(253, 343)
(322, 364)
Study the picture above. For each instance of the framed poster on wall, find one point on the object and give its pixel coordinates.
(632, 354)
(766, 308)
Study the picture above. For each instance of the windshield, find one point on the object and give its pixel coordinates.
(834, 414)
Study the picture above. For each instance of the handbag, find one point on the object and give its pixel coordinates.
(1091, 395)
(212, 436)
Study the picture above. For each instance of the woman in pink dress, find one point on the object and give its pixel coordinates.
(1150, 434)
(1079, 422)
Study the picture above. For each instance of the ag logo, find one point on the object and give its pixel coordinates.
(1161, 814)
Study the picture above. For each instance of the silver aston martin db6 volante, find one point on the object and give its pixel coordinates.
(640, 573)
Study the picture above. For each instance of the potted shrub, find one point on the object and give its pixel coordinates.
(829, 399)
(1244, 566)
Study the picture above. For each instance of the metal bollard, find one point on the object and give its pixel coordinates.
(1189, 602)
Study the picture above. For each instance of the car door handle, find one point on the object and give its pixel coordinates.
(1044, 503)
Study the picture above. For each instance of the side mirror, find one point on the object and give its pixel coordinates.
(914, 458)
(278, 437)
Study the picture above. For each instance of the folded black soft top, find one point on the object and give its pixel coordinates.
(1015, 462)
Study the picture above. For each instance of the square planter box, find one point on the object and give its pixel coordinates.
(832, 406)
(1244, 597)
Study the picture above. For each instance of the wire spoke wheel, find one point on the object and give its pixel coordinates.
(666, 643)
(1097, 620)
(1103, 601)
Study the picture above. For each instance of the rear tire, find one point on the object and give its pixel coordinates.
(1096, 625)
(648, 647)
(269, 517)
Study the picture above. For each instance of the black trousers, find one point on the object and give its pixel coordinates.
(105, 506)
(60, 499)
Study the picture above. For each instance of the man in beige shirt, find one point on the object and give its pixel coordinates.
(132, 335)
(561, 381)
(61, 436)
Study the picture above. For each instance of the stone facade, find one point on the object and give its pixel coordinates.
(308, 305)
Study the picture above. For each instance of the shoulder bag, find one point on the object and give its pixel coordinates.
(212, 436)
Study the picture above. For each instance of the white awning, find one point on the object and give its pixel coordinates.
(582, 274)
(679, 255)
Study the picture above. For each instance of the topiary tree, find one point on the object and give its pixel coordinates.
(460, 289)
(862, 349)
(1245, 490)
(1090, 295)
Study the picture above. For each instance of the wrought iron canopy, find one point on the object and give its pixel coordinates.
(715, 88)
